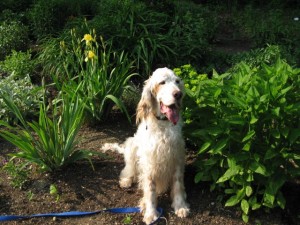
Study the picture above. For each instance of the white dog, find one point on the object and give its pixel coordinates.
(155, 156)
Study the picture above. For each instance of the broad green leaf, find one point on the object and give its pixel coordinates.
(275, 133)
(245, 206)
(249, 191)
(249, 135)
(219, 146)
(198, 177)
(238, 101)
(228, 174)
(276, 111)
(258, 168)
(235, 199)
(238, 120)
(245, 218)
(204, 147)
(280, 200)
(253, 119)
(247, 146)
(271, 153)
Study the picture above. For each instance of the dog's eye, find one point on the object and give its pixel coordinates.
(177, 81)
(162, 82)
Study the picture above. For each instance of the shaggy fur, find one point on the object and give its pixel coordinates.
(155, 156)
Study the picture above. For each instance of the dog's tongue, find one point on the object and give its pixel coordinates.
(171, 112)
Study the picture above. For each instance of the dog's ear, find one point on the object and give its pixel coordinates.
(145, 105)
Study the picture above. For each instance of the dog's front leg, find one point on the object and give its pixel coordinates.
(149, 202)
(178, 194)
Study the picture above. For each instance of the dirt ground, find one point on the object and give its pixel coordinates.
(83, 189)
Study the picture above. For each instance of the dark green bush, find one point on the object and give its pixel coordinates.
(18, 63)
(13, 36)
(25, 95)
(50, 17)
(246, 124)
(193, 28)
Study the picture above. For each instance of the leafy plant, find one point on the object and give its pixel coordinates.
(246, 124)
(19, 63)
(51, 141)
(26, 96)
(54, 192)
(192, 29)
(13, 36)
(18, 171)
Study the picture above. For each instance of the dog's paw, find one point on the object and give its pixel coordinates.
(125, 182)
(150, 217)
(182, 212)
(106, 147)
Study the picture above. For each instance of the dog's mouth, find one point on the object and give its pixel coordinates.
(171, 112)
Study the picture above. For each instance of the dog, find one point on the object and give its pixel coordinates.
(155, 155)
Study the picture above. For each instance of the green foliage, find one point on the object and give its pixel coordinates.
(26, 97)
(87, 66)
(13, 36)
(138, 30)
(18, 171)
(15, 5)
(193, 27)
(50, 142)
(191, 82)
(246, 123)
(54, 192)
(18, 63)
(50, 17)
(273, 26)
(253, 58)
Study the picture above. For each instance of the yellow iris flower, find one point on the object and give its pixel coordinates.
(90, 56)
(87, 38)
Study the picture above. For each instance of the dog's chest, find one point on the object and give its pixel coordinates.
(160, 145)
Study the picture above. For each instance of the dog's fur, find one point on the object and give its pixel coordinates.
(155, 156)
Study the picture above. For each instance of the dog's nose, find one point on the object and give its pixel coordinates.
(177, 94)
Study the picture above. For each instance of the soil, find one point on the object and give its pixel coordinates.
(81, 188)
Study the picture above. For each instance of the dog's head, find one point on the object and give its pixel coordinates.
(161, 97)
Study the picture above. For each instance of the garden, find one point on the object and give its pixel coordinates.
(71, 74)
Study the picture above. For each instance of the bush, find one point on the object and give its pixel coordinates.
(13, 36)
(18, 63)
(246, 123)
(50, 17)
(25, 95)
(138, 30)
(193, 28)
(271, 26)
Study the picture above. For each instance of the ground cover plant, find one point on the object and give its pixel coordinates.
(246, 123)
(24, 94)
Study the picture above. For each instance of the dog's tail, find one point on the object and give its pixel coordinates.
(113, 147)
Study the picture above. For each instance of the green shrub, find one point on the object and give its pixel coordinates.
(139, 30)
(18, 63)
(192, 29)
(246, 123)
(50, 17)
(25, 95)
(15, 5)
(13, 36)
(51, 142)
